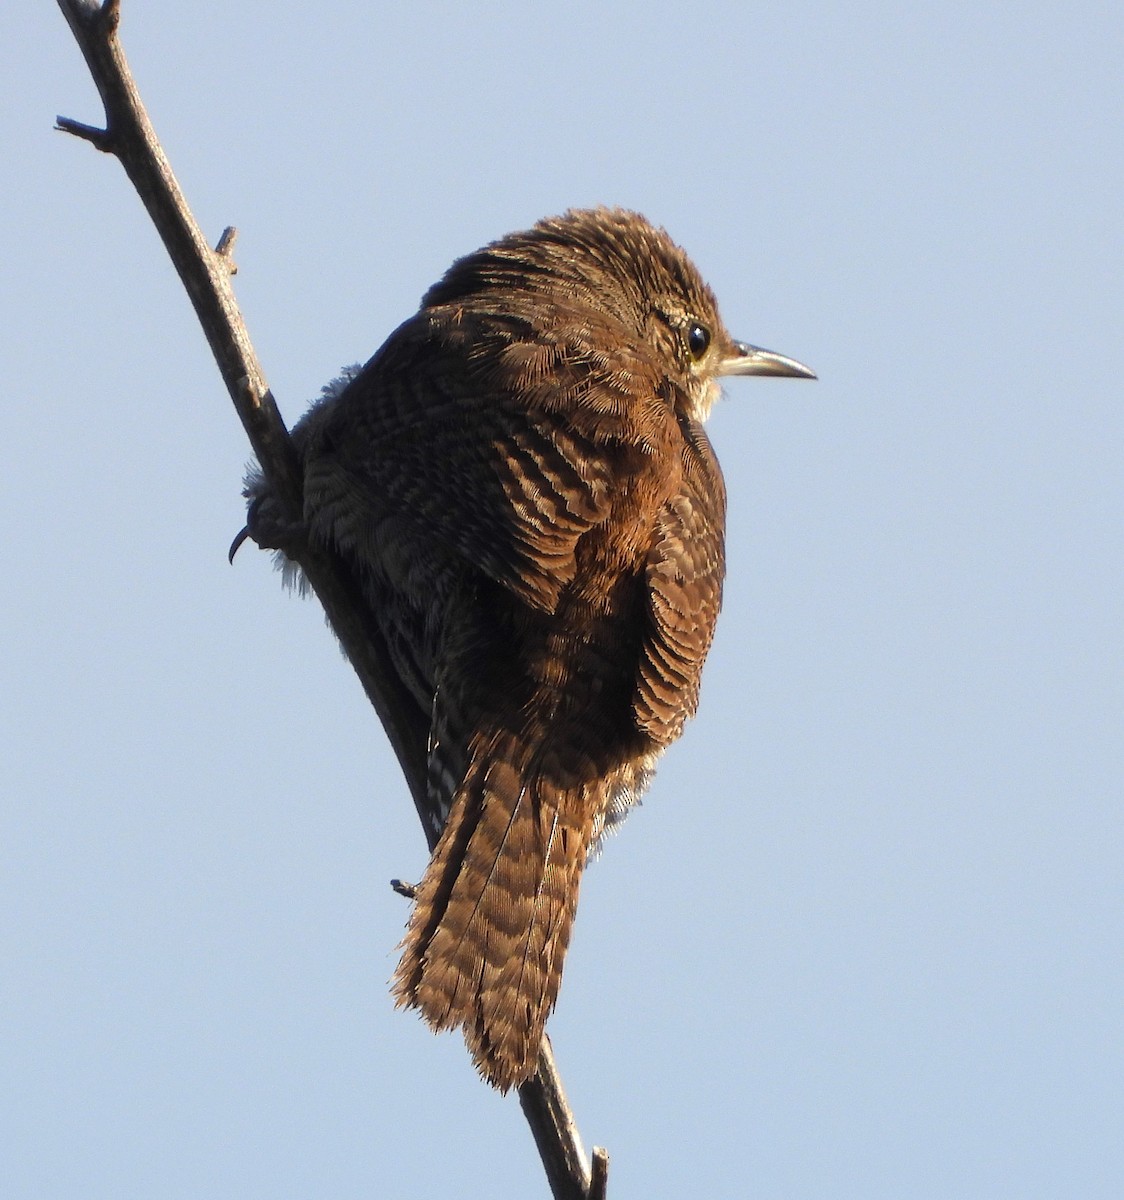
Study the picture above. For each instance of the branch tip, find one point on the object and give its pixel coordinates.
(100, 139)
(224, 249)
(599, 1173)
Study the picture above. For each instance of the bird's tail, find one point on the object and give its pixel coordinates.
(490, 927)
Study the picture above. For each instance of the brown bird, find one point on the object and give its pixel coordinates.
(520, 482)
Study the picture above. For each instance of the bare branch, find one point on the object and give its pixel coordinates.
(554, 1129)
(129, 136)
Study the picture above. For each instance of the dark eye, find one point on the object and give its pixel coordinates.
(698, 340)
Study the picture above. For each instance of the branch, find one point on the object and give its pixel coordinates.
(556, 1134)
(130, 137)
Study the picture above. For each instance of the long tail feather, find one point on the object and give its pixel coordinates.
(492, 920)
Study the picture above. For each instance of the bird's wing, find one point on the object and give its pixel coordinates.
(685, 570)
(474, 449)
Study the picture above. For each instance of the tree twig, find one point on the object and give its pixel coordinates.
(130, 137)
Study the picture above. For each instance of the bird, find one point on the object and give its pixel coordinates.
(520, 483)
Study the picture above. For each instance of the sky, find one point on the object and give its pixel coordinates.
(863, 939)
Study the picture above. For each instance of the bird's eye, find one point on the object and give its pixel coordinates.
(698, 340)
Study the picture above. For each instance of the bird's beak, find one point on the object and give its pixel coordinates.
(752, 360)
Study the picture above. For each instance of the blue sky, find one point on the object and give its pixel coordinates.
(864, 937)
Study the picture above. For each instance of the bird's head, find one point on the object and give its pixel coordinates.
(623, 270)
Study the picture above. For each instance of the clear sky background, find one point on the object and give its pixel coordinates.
(864, 939)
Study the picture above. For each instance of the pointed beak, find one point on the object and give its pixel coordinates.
(752, 360)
